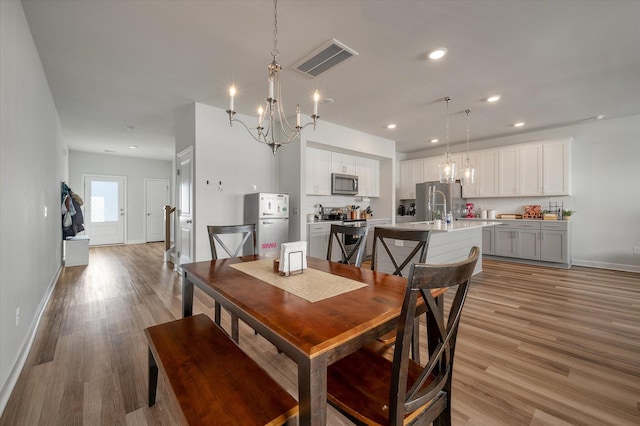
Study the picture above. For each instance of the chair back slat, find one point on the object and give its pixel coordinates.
(354, 256)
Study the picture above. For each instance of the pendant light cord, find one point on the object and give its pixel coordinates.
(275, 51)
(467, 111)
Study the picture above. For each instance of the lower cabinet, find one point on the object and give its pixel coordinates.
(318, 239)
(547, 241)
(488, 243)
(554, 242)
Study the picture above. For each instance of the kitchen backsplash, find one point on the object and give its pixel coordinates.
(516, 205)
(331, 201)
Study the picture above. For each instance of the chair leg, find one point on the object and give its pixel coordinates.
(217, 313)
(235, 333)
(153, 379)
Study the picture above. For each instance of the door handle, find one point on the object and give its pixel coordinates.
(188, 220)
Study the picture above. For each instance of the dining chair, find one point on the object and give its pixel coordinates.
(383, 237)
(372, 389)
(351, 241)
(247, 232)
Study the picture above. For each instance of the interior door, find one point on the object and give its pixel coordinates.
(104, 209)
(184, 206)
(157, 197)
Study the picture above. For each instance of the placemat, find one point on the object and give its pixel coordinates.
(312, 285)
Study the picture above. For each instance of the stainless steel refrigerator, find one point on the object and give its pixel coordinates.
(432, 196)
(270, 213)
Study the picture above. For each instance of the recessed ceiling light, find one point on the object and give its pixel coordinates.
(129, 129)
(391, 126)
(434, 140)
(494, 98)
(519, 124)
(599, 117)
(437, 53)
(133, 146)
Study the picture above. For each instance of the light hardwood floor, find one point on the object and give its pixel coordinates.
(537, 346)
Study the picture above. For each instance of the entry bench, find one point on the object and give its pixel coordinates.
(212, 379)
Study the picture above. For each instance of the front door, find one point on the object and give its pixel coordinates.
(104, 209)
(185, 206)
(157, 197)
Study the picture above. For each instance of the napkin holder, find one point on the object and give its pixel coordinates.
(293, 258)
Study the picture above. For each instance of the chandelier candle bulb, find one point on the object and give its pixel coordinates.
(260, 112)
(316, 98)
(298, 116)
(270, 88)
(232, 95)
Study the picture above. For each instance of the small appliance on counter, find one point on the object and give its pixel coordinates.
(401, 210)
(470, 212)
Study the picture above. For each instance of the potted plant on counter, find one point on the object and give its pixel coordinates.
(566, 214)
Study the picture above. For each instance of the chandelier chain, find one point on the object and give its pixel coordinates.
(275, 51)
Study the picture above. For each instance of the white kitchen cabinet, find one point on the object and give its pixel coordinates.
(343, 163)
(485, 163)
(411, 172)
(318, 239)
(430, 169)
(368, 172)
(520, 170)
(556, 167)
(318, 176)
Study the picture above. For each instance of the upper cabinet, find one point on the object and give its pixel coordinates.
(532, 169)
(486, 176)
(520, 171)
(343, 163)
(411, 172)
(368, 172)
(321, 163)
(556, 168)
(318, 172)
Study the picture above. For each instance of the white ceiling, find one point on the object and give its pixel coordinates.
(116, 63)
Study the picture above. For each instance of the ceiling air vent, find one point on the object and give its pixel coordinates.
(325, 57)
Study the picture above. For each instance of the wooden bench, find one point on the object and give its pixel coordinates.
(212, 379)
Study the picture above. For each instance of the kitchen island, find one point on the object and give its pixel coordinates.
(448, 243)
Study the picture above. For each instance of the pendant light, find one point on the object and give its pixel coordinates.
(468, 175)
(447, 168)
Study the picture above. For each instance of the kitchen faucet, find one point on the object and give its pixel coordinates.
(434, 191)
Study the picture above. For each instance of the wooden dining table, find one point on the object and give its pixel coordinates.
(314, 334)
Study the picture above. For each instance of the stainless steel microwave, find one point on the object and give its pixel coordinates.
(344, 184)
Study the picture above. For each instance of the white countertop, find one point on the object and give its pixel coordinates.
(475, 219)
(457, 225)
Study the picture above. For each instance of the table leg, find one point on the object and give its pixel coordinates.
(187, 297)
(312, 391)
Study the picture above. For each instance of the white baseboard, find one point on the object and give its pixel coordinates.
(12, 378)
(606, 265)
(136, 242)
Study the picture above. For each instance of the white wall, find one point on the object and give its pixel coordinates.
(31, 169)
(228, 155)
(606, 189)
(135, 169)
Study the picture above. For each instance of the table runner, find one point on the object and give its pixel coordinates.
(312, 285)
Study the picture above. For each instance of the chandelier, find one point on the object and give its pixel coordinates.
(468, 174)
(447, 168)
(273, 111)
